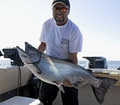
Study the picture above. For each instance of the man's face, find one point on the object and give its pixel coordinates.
(60, 13)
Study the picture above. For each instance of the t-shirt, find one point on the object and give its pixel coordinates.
(61, 40)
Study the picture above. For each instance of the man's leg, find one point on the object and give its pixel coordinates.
(47, 93)
(70, 97)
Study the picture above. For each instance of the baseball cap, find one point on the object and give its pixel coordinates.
(65, 2)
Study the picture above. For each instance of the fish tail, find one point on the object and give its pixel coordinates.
(103, 88)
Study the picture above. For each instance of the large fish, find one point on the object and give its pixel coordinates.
(55, 71)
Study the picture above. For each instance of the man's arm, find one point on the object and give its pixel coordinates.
(73, 56)
(42, 47)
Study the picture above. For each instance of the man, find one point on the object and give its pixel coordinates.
(62, 39)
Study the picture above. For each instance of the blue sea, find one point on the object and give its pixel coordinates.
(83, 63)
(111, 64)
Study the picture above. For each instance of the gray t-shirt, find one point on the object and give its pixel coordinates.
(61, 40)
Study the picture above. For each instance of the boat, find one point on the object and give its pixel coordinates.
(18, 86)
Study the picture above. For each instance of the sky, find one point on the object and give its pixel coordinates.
(98, 21)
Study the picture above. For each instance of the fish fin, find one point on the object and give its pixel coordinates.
(61, 88)
(78, 84)
(101, 91)
(38, 70)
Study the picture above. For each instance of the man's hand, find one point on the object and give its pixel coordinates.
(67, 83)
(42, 47)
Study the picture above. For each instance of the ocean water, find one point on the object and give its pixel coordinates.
(111, 64)
(83, 63)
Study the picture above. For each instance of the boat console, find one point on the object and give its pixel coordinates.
(13, 55)
(97, 62)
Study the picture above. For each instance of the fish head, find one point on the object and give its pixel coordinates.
(30, 55)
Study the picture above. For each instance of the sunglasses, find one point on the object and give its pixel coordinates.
(63, 9)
